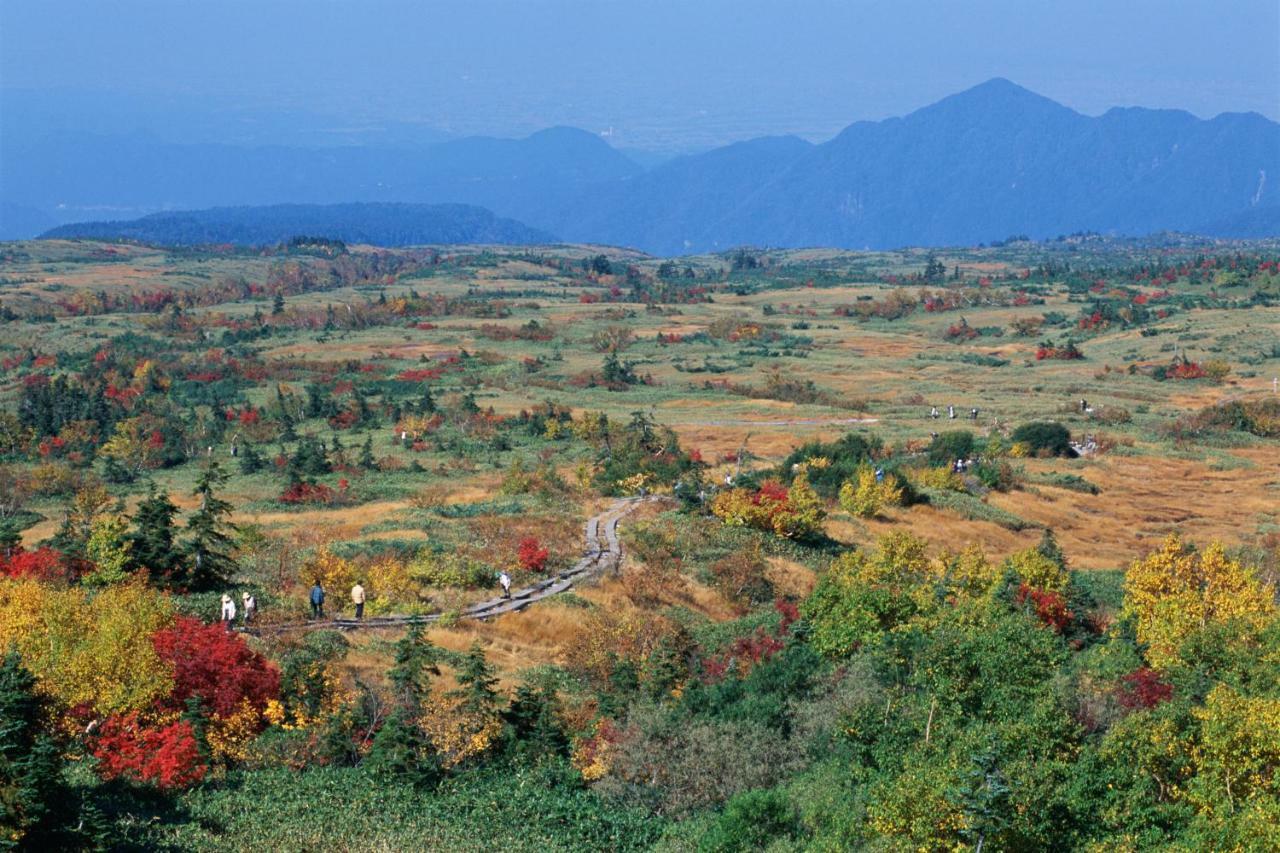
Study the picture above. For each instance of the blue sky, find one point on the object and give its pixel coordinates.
(658, 73)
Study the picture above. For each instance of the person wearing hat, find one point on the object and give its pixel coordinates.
(228, 611)
(250, 606)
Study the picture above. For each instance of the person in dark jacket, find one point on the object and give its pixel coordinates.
(317, 601)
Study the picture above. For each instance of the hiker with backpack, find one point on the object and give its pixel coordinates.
(317, 601)
(504, 580)
(250, 605)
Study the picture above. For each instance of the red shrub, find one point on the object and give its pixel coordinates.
(307, 493)
(1050, 607)
(164, 756)
(422, 375)
(1143, 688)
(42, 564)
(216, 665)
(532, 556)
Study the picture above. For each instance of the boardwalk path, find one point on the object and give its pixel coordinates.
(603, 552)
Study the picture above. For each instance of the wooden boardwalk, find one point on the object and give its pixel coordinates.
(602, 552)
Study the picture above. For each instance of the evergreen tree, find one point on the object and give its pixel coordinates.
(277, 305)
(367, 461)
(427, 405)
(251, 461)
(401, 752)
(31, 788)
(477, 685)
(152, 536)
(416, 658)
(209, 542)
(1049, 547)
(535, 723)
(984, 801)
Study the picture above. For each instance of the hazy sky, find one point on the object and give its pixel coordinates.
(662, 74)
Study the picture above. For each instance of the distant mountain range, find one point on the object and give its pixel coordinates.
(978, 166)
(380, 224)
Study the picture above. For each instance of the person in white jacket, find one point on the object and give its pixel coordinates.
(228, 611)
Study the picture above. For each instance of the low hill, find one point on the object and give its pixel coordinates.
(374, 223)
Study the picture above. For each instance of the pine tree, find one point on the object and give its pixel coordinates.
(427, 405)
(477, 685)
(31, 788)
(400, 750)
(152, 536)
(277, 305)
(209, 533)
(1050, 548)
(416, 658)
(251, 461)
(983, 800)
(367, 461)
(535, 723)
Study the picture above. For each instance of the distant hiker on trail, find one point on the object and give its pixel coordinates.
(973, 413)
(228, 611)
(250, 605)
(879, 475)
(1084, 405)
(505, 580)
(951, 412)
(317, 601)
(934, 414)
(357, 598)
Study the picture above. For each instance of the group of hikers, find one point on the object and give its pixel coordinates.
(318, 599)
(951, 413)
(249, 604)
(249, 609)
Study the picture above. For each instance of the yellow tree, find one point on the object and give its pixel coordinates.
(1176, 591)
(90, 652)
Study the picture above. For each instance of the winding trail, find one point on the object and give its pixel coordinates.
(602, 552)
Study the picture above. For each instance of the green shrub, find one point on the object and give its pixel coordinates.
(1044, 438)
(950, 446)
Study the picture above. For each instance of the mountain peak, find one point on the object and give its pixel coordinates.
(1001, 97)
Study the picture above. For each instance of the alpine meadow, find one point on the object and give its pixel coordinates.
(514, 445)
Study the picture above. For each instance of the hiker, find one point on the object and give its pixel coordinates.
(1084, 405)
(505, 580)
(228, 611)
(951, 412)
(973, 413)
(357, 598)
(879, 475)
(934, 413)
(250, 605)
(317, 601)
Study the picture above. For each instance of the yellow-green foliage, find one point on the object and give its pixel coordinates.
(108, 550)
(1177, 591)
(862, 594)
(942, 479)
(94, 651)
(1035, 569)
(795, 514)
(868, 497)
(450, 569)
